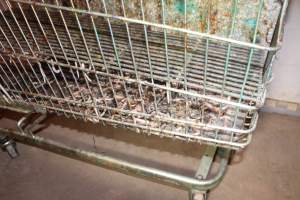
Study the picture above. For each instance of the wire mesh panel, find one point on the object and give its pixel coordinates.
(192, 70)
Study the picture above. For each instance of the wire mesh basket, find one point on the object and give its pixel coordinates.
(192, 70)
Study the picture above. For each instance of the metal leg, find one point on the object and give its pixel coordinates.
(26, 125)
(202, 172)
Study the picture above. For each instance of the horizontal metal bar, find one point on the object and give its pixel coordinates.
(121, 166)
(163, 26)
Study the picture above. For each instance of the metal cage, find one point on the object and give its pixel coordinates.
(110, 61)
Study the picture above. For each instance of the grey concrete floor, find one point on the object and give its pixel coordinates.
(268, 169)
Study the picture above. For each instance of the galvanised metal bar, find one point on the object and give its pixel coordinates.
(148, 54)
(122, 166)
(206, 161)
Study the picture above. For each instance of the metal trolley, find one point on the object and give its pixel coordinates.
(155, 67)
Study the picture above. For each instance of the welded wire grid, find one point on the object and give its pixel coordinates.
(98, 67)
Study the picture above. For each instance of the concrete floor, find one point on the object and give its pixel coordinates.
(268, 169)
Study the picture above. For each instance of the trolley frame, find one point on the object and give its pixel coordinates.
(198, 186)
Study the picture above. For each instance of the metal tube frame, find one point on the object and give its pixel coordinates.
(197, 185)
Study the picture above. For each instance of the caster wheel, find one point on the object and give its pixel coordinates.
(9, 146)
(198, 196)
